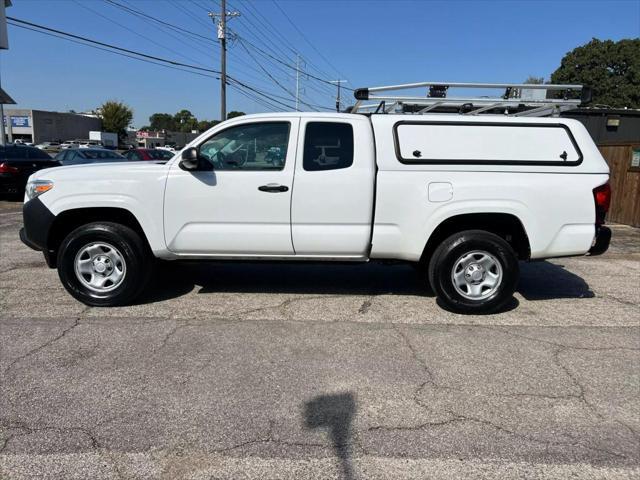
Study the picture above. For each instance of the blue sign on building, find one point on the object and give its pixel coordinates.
(20, 121)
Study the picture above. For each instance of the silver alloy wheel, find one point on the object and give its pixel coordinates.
(476, 275)
(100, 267)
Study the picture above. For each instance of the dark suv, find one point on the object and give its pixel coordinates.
(17, 162)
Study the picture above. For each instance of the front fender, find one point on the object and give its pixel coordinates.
(149, 216)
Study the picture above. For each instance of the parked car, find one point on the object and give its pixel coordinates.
(464, 196)
(90, 144)
(17, 162)
(51, 146)
(79, 156)
(139, 154)
(168, 148)
(69, 144)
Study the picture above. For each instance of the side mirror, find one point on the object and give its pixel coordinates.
(191, 161)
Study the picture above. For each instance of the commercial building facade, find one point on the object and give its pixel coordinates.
(39, 126)
(151, 139)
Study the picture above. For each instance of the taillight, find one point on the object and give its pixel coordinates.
(4, 168)
(602, 197)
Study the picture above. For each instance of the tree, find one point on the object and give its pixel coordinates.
(204, 125)
(162, 121)
(185, 121)
(116, 117)
(234, 114)
(611, 69)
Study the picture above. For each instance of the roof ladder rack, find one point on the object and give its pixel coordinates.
(515, 99)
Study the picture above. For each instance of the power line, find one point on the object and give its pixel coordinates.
(99, 14)
(293, 67)
(171, 27)
(139, 13)
(261, 93)
(135, 55)
(277, 32)
(268, 39)
(276, 81)
(114, 47)
(209, 40)
(305, 37)
(114, 51)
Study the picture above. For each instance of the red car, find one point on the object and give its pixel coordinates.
(141, 154)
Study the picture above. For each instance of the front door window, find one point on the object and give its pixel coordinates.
(254, 146)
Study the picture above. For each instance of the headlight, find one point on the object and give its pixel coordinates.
(35, 188)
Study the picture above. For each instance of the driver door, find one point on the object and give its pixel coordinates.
(242, 207)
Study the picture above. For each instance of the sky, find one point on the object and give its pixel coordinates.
(366, 42)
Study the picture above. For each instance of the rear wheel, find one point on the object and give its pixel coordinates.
(474, 271)
(104, 264)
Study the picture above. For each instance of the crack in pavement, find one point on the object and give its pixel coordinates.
(619, 300)
(459, 418)
(282, 306)
(93, 439)
(35, 350)
(26, 430)
(178, 325)
(533, 439)
(506, 331)
(366, 305)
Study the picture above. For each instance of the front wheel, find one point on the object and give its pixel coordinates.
(474, 271)
(104, 264)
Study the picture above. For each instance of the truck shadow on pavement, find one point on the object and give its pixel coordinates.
(538, 280)
(545, 281)
(334, 414)
(179, 278)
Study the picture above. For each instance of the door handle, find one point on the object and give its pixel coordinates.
(273, 188)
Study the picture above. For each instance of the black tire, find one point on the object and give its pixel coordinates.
(451, 250)
(137, 259)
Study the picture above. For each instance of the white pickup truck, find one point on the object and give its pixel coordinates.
(466, 197)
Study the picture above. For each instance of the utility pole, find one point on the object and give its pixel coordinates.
(4, 44)
(222, 36)
(338, 82)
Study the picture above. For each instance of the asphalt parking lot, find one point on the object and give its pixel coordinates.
(268, 371)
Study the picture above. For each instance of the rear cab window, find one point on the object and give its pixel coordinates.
(485, 143)
(328, 146)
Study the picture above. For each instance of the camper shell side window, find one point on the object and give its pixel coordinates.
(485, 143)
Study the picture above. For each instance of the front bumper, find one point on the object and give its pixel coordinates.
(601, 242)
(26, 241)
(38, 221)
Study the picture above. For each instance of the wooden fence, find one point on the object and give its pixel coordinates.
(625, 183)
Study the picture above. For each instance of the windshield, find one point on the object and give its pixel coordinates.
(159, 154)
(102, 155)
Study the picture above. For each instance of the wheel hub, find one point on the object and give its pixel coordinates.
(475, 273)
(100, 267)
